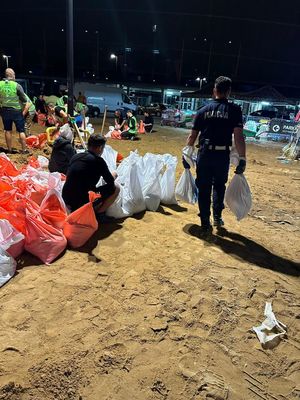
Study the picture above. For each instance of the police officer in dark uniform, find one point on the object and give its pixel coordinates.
(216, 123)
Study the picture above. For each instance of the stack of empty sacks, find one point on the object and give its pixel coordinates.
(145, 182)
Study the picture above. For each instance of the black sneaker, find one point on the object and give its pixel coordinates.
(205, 227)
(218, 222)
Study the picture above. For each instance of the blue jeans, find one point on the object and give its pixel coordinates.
(212, 173)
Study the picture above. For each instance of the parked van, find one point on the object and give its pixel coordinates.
(98, 96)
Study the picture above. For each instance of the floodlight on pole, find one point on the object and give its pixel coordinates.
(200, 80)
(6, 58)
(114, 57)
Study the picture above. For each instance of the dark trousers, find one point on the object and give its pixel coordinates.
(212, 173)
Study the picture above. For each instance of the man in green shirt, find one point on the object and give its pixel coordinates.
(131, 132)
(14, 107)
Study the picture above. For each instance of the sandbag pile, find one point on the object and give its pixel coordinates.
(34, 217)
(144, 182)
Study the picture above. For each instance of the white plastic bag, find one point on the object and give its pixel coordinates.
(188, 155)
(238, 196)
(133, 199)
(152, 193)
(109, 155)
(271, 330)
(168, 180)
(116, 210)
(43, 161)
(186, 188)
(149, 173)
(7, 267)
(65, 131)
(11, 240)
(90, 129)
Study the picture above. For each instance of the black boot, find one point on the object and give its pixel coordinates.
(218, 221)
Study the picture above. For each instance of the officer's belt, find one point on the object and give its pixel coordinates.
(217, 148)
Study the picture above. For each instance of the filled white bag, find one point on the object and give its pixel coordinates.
(152, 193)
(238, 196)
(168, 180)
(116, 210)
(66, 132)
(149, 175)
(186, 188)
(7, 267)
(11, 240)
(110, 157)
(133, 200)
(43, 161)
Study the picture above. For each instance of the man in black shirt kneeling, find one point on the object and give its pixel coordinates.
(84, 172)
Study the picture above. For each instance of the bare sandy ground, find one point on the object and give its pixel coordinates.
(148, 311)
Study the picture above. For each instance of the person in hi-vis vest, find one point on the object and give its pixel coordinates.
(14, 106)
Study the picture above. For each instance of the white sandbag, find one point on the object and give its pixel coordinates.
(168, 180)
(186, 188)
(133, 200)
(116, 210)
(152, 193)
(124, 168)
(43, 161)
(66, 132)
(152, 166)
(110, 157)
(238, 196)
(11, 239)
(7, 267)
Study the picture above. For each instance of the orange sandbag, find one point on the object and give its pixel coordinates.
(36, 142)
(116, 135)
(4, 186)
(141, 127)
(42, 140)
(53, 209)
(16, 219)
(119, 157)
(33, 162)
(82, 223)
(7, 167)
(43, 240)
(32, 142)
(9, 200)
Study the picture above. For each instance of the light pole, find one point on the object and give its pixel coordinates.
(114, 57)
(97, 53)
(6, 58)
(200, 80)
(70, 56)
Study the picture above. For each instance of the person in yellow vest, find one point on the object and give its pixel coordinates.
(29, 116)
(14, 107)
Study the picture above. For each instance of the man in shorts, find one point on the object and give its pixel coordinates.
(14, 106)
(84, 172)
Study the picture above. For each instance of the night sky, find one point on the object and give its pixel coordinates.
(251, 41)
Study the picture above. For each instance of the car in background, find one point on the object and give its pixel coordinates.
(270, 114)
(93, 112)
(153, 108)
